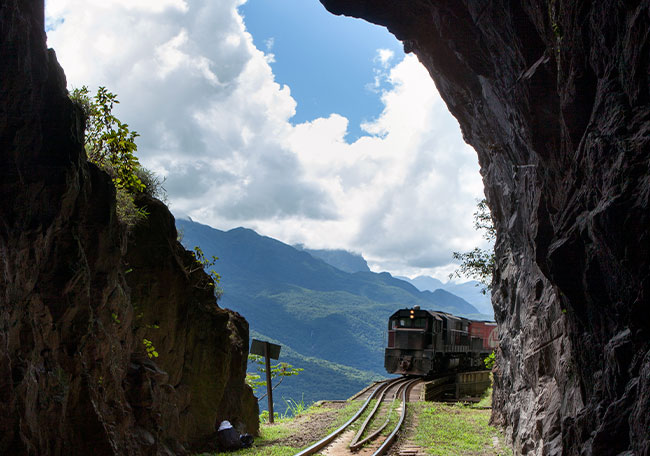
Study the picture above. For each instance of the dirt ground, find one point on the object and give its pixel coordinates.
(311, 427)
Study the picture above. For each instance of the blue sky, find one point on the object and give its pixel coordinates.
(277, 116)
(317, 53)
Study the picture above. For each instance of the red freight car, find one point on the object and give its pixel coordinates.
(486, 330)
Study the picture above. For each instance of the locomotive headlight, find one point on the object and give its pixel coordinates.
(412, 316)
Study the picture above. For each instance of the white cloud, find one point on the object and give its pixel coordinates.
(407, 193)
(215, 123)
(384, 56)
(383, 59)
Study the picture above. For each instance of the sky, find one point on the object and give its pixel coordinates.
(276, 115)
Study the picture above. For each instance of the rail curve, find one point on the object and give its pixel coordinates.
(402, 387)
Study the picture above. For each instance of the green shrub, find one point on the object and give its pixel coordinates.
(110, 144)
(489, 360)
(479, 264)
(127, 212)
(153, 185)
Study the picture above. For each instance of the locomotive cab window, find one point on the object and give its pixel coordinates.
(412, 323)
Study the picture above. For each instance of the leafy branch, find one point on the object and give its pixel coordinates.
(281, 370)
(478, 263)
(109, 142)
(490, 360)
(202, 262)
(151, 350)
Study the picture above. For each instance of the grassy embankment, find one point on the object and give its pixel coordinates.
(441, 429)
(455, 430)
(287, 436)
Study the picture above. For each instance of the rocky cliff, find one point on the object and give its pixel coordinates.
(79, 295)
(554, 97)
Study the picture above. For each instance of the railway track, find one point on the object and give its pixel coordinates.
(390, 395)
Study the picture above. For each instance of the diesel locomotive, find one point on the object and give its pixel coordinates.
(428, 342)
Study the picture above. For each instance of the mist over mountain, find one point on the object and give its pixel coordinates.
(341, 259)
(425, 283)
(330, 322)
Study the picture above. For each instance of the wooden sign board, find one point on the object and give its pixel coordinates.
(257, 348)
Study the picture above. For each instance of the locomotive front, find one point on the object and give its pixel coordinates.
(410, 342)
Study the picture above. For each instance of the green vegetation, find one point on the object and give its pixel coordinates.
(478, 263)
(320, 380)
(394, 415)
(486, 400)
(151, 350)
(110, 144)
(489, 360)
(263, 445)
(450, 430)
(348, 412)
(274, 437)
(294, 407)
(329, 322)
(280, 370)
(442, 430)
(201, 262)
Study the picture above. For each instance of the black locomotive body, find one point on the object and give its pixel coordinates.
(426, 342)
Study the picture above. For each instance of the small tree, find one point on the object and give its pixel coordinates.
(281, 370)
(109, 142)
(478, 263)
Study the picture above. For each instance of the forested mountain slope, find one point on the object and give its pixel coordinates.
(323, 315)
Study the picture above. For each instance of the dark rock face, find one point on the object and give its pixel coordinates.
(201, 347)
(555, 98)
(79, 296)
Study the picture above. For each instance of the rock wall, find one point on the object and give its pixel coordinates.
(79, 295)
(555, 98)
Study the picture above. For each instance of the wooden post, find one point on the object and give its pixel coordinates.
(269, 389)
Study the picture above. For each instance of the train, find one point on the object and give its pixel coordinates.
(429, 343)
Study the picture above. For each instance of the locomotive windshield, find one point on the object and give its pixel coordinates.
(410, 323)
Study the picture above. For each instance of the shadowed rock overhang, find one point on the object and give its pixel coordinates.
(554, 97)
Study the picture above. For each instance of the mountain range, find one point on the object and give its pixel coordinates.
(340, 259)
(329, 322)
(471, 291)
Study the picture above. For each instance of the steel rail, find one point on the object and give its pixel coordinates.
(327, 439)
(355, 443)
(393, 435)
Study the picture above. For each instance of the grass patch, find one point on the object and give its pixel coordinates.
(393, 417)
(271, 432)
(273, 438)
(348, 412)
(269, 450)
(486, 400)
(263, 445)
(454, 430)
